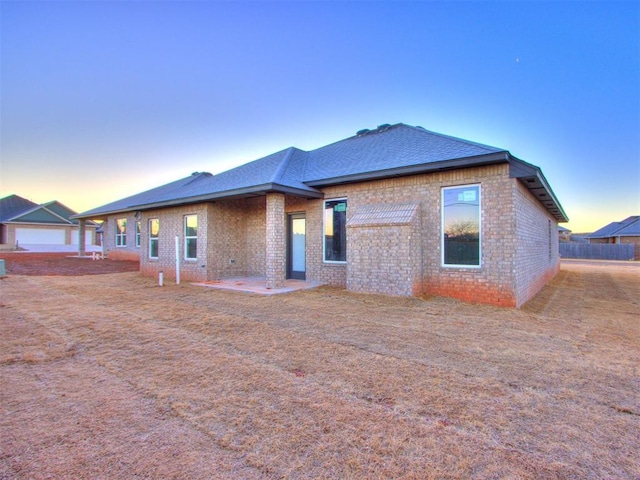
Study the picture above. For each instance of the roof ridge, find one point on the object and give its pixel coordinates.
(626, 223)
(284, 163)
(195, 176)
(458, 139)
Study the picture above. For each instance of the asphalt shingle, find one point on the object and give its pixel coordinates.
(14, 205)
(367, 155)
(628, 227)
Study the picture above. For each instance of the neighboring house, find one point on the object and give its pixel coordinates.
(564, 234)
(396, 210)
(23, 222)
(625, 232)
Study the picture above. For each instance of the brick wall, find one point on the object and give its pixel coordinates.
(276, 240)
(172, 225)
(383, 259)
(384, 248)
(236, 239)
(538, 253)
(231, 240)
(334, 274)
(128, 252)
(493, 283)
(518, 254)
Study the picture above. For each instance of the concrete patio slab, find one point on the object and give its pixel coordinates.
(256, 285)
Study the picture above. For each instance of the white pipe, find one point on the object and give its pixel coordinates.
(161, 279)
(177, 260)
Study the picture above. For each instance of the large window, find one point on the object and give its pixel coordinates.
(121, 232)
(191, 237)
(154, 232)
(335, 230)
(138, 234)
(461, 226)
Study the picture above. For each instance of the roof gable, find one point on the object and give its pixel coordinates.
(40, 214)
(61, 210)
(14, 205)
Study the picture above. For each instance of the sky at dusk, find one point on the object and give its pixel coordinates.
(101, 100)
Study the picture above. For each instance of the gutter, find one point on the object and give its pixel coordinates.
(239, 192)
(500, 157)
(534, 180)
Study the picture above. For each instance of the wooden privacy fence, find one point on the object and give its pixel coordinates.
(597, 251)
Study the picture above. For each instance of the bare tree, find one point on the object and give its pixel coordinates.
(463, 230)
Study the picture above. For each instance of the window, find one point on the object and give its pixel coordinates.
(138, 234)
(121, 232)
(191, 237)
(154, 230)
(461, 226)
(551, 229)
(335, 230)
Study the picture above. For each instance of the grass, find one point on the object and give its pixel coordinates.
(110, 376)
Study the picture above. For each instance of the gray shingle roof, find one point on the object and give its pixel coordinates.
(282, 169)
(629, 227)
(14, 205)
(389, 150)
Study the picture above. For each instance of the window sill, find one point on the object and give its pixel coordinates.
(462, 267)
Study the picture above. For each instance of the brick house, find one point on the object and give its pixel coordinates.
(23, 222)
(396, 210)
(626, 232)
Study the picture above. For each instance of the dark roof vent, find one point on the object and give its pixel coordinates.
(364, 131)
(384, 127)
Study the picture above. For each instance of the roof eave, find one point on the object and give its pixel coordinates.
(256, 190)
(475, 161)
(534, 180)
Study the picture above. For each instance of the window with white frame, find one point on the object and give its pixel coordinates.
(191, 237)
(335, 230)
(461, 237)
(121, 232)
(154, 232)
(138, 234)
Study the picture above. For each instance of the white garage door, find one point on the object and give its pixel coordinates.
(36, 236)
(88, 239)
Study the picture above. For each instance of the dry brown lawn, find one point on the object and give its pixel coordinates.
(111, 376)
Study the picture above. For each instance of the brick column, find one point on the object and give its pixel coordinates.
(276, 241)
(81, 245)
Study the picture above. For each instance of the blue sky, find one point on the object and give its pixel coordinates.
(101, 100)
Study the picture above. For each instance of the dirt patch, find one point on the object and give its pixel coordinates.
(111, 376)
(25, 263)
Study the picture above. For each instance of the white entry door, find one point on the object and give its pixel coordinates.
(297, 246)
